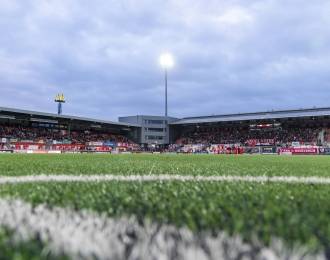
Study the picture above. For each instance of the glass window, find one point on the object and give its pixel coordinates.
(151, 129)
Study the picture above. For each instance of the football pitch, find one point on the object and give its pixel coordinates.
(144, 206)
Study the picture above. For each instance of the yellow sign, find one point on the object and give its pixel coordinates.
(60, 98)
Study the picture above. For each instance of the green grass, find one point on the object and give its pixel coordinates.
(296, 213)
(30, 250)
(15, 165)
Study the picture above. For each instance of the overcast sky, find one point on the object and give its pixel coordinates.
(230, 56)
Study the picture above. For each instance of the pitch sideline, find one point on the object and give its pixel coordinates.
(165, 177)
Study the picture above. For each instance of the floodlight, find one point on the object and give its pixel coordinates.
(166, 60)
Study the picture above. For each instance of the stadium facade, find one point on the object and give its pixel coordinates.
(159, 130)
(154, 130)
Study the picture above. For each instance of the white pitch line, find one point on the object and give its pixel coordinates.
(164, 177)
(88, 235)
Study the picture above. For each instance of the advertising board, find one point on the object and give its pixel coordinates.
(324, 151)
(298, 150)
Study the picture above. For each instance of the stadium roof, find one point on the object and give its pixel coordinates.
(281, 114)
(51, 116)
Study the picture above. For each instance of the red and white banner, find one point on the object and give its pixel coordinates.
(298, 150)
(255, 142)
(68, 147)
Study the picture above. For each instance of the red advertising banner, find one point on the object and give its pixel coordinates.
(298, 150)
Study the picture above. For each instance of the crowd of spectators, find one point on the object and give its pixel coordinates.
(244, 135)
(39, 134)
(201, 137)
(327, 135)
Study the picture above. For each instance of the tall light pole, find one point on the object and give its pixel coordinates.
(166, 61)
(59, 99)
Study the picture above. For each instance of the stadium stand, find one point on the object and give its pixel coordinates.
(232, 139)
(289, 131)
(246, 136)
(33, 138)
(36, 132)
(300, 131)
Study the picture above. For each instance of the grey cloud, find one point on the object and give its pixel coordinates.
(231, 56)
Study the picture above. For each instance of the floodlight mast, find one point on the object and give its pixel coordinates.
(165, 92)
(59, 99)
(167, 62)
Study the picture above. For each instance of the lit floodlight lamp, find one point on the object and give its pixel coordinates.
(166, 60)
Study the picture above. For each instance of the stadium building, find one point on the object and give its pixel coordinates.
(154, 130)
(31, 130)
